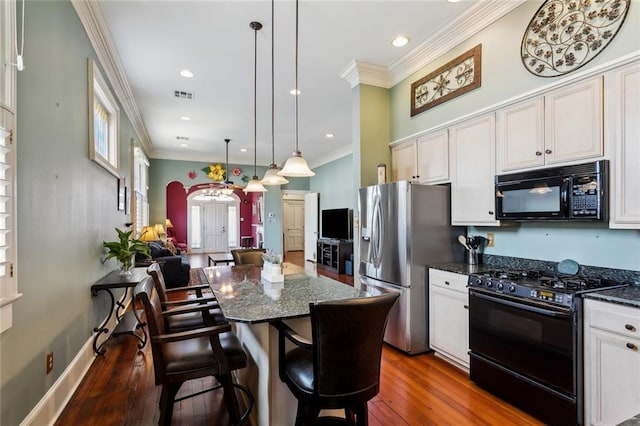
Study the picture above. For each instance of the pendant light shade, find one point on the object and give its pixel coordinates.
(271, 177)
(296, 166)
(254, 184)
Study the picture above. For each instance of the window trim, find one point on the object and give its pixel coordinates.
(98, 88)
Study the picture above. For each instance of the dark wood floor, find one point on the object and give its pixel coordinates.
(119, 389)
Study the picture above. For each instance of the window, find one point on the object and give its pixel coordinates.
(7, 54)
(8, 268)
(140, 186)
(104, 116)
(195, 239)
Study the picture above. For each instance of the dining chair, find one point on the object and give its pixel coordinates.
(340, 367)
(179, 357)
(250, 256)
(188, 319)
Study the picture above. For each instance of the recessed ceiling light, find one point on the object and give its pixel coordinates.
(243, 149)
(294, 92)
(185, 118)
(184, 145)
(400, 41)
(186, 73)
(329, 135)
(453, 1)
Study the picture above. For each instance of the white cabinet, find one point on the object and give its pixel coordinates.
(573, 122)
(449, 316)
(565, 125)
(623, 133)
(472, 155)
(7, 56)
(425, 160)
(611, 362)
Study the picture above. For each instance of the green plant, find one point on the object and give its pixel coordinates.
(125, 248)
(272, 257)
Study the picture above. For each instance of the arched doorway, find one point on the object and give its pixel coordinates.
(213, 221)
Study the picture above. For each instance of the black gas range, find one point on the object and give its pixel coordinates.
(525, 339)
(534, 285)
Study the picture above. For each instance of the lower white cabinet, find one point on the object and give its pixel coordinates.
(611, 362)
(449, 316)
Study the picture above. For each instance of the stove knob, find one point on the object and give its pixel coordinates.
(512, 288)
(500, 286)
(489, 283)
(476, 281)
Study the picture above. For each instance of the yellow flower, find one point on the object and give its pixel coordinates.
(216, 173)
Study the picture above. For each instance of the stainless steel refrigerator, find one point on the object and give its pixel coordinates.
(404, 227)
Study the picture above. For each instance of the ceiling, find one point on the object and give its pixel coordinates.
(340, 43)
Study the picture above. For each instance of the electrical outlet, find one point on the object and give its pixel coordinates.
(49, 362)
(490, 242)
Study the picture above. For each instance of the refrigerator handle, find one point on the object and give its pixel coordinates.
(377, 232)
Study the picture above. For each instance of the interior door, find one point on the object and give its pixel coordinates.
(293, 225)
(215, 227)
(311, 226)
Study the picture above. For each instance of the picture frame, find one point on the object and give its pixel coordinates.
(121, 194)
(458, 76)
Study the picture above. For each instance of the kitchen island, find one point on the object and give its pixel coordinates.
(251, 304)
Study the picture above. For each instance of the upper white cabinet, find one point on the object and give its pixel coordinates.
(573, 122)
(611, 362)
(7, 57)
(623, 134)
(472, 154)
(562, 126)
(425, 160)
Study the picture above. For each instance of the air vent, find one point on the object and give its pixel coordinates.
(183, 94)
(182, 138)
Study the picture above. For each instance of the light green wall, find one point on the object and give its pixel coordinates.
(504, 77)
(333, 184)
(374, 124)
(66, 207)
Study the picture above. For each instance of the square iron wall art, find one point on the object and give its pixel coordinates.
(454, 78)
(564, 35)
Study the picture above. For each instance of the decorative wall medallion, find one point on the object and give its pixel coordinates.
(456, 77)
(564, 35)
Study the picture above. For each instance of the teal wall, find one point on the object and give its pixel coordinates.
(66, 207)
(333, 182)
(504, 77)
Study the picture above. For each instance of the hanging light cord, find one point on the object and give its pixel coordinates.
(297, 91)
(273, 143)
(226, 181)
(255, 97)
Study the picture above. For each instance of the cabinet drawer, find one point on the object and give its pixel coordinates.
(611, 317)
(450, 280)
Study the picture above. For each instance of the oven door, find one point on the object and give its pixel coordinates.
(533, 199)
(532, 340)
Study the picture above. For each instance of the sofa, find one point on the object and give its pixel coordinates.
(175, 267)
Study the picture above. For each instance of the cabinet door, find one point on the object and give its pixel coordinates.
(612, 382)
(472, 153)
(520, 135)
(573, 117)
(448, 323)
(623, 109)
(433, 157)
(403, 161)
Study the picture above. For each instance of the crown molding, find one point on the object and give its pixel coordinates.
(462, 27)
(96, 28)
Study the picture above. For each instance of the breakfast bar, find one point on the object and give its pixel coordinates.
(252, 304)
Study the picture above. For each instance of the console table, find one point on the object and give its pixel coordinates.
(128, 322)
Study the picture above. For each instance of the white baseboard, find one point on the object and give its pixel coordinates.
(48, 409)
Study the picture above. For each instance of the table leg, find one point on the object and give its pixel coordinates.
(102, 329)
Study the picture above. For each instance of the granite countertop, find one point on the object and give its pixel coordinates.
(244, 297)
(460, 268)
(629, 296)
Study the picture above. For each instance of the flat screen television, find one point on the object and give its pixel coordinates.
(336, 224)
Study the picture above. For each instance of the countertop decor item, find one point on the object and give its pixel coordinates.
(125, 249)
(564, 35)
(456, 77)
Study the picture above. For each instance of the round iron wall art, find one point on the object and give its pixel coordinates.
(564, 35)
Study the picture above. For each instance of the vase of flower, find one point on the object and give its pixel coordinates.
(272, 267)
(125, 249)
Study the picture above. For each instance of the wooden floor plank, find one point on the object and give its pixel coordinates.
(119, 389)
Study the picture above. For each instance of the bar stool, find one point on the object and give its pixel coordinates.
(246, 241)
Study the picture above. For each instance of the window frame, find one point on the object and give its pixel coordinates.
(98, 89)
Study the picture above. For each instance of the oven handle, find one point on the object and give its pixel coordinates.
(523, 306)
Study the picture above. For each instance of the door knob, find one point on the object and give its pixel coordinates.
(538, 153)
(547, 151)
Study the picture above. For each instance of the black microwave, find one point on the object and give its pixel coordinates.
(568, 193)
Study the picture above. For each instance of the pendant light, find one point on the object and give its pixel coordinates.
(271, 177)
(296, 166)
(226, 190)
(254, 184)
